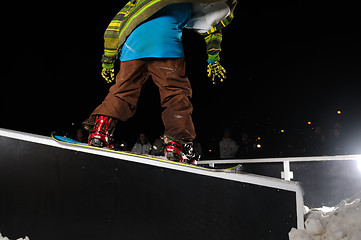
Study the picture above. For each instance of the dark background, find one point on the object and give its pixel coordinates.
(287, 64)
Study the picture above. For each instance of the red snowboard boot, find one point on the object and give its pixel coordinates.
(102, 133)
(183, 153)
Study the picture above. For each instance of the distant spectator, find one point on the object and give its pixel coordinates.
(197, 147)
(157, 148)
(316, 145)
(336, 140)
(228, 148)
(80, 136)
(142, 146)
(245, 145)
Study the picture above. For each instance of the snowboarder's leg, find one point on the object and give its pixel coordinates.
(175, 93)
(120, 103)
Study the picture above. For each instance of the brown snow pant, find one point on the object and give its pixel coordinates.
(174, 88)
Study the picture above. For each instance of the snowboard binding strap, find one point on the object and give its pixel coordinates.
(102, 133)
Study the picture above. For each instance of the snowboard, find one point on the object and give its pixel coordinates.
(68, 141)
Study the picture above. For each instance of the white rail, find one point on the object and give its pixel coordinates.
(286, 173)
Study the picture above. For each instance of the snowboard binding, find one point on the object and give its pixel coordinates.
(102, 133)
(183, 153)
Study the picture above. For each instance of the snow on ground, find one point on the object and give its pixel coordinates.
(342, 222)
(5, 238)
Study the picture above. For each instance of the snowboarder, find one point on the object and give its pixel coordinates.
(146, 35)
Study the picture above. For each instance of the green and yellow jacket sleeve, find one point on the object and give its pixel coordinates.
(213, 39)
(112, 35)
(213, 45)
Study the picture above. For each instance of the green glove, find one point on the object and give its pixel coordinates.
(108, 74)
(215, 70)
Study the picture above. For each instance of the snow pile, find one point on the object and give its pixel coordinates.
(342, 222)
(5, 238)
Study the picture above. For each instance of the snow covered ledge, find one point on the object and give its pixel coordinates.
(342, 222)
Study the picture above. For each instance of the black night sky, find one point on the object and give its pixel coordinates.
(287, 64)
